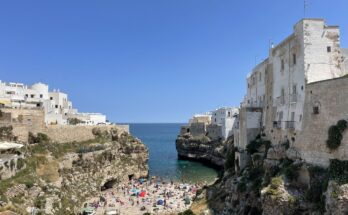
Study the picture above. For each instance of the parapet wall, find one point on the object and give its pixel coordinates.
(24, 121)
(70, 133)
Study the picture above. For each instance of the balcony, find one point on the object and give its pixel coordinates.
(277, 124)
(254, 104)
(294, 98)
(279, 101)
(290, 124)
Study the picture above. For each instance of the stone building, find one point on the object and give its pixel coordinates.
(277, 87)
(218, 124)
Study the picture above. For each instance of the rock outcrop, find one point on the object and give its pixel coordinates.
(203, 149)
(276, 182)
(61, 177)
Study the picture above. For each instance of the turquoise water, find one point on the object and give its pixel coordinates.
(163, 161)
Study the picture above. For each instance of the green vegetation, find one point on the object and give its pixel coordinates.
(40, 202)
(338, 171)
(256, 144)
(229, 164)
(39, 138)
(290, 169)
(241, 186)
(187, 212)
(6, 133)
(336, 134)
(85, 149)
(273, 188)
(74, 121)
(318, 185)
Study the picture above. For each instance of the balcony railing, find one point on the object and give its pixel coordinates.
(277, 124)
(290, 124)
(254, 104)
(279, 101)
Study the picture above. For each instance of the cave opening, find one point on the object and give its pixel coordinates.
(109, 184)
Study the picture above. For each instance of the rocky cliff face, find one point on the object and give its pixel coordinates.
(60, 177)
(277, 181)
(212, 152)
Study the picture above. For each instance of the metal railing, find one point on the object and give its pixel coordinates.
(277, 124)
(290, 124)
(280, 100)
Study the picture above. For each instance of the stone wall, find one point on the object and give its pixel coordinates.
(24, 121)
(198, 129)
(70, 133)
(214, 132)
(331, 98)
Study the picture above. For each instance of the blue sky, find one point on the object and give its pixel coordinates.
(148, 60)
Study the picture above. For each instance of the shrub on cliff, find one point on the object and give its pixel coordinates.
(335, 134)
(229, 164)
(187, 212)
(39, 138)
(74, 121)
(6, 133)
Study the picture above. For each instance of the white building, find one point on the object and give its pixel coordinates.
(225, 117)
(56, 104)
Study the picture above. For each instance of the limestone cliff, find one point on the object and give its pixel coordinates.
(211, 152)
(276, 181)
(60, 177)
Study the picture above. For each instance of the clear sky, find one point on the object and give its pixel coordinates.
(148, 60)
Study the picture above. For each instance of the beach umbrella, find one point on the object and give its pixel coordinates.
(142, 194)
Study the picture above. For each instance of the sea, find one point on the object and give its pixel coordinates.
(163, 160)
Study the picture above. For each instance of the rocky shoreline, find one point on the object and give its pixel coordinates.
(203, 149)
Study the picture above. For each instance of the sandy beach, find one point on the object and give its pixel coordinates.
(140, 196)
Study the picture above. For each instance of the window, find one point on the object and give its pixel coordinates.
(26, 95)
(51, 98)
(328, 49)
(282, 65)
(294, 89)
(316, 110)
(260, 77)
(229, 114)
(32, 95)
(38, 105)
(294, 59)
(41, 96)
(282, 96)
(56, 106)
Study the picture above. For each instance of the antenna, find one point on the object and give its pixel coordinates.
(305, 7)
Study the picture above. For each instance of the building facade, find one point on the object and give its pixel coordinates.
(57, 108)
(276, 97)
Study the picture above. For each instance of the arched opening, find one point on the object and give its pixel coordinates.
(109, 184)
(130, 177)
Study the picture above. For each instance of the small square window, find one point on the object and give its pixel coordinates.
(328, 49)
(41, 96)
(51, 98)
(316, 110)
(56, 106)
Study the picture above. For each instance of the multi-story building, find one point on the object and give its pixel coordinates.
(225, 118)
(218, 124)
(276, 88)
(56, 105)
